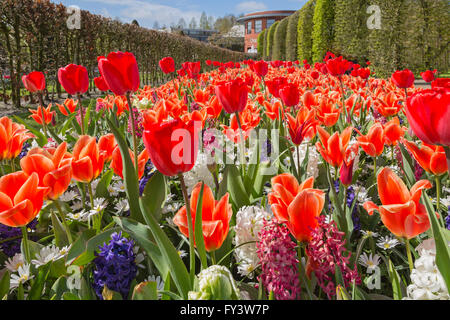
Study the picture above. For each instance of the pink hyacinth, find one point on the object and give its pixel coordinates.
(325, 251)
(279, 262)
(138, 119)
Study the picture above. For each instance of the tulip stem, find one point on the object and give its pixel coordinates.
(133, 130)
(213, 258)
(190, 226)
(81, 113)
(64, 220)
(41, 102)
(26, 247)
(375, 168)
(242, 142)
(298, 161)
(408, 253)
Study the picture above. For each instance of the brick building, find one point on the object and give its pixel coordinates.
(258, 21)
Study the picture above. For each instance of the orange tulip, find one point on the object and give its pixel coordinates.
(298, 206)
(12, 138)
(332, 148)
(389, 105)
(107, 144)
(373, 142)
(68, 107)
(393, 132)
(327, 113)
(431, 158)
(37, 114)
(302, 126)
(117, 164)
(273, 109)
(216, 216)
(401, 211)
(87, 161)
(21, 198)
(53, 167)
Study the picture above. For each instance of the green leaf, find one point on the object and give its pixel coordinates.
(70, 296)
(34, 247)
(408, 168)
(442, 247)
(40, 138)
(199, 239)
(58, 288)
(59, 231)
(177, 268)
(142, 234)
(102, 188)
(155, 194)
(395, 280)
(38, 284)
(145, 291)
(236, 187)
(129, 174)
(341, 293)
(4, 284)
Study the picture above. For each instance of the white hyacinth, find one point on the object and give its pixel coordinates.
(199, 173)
(249, 222)
(427, 282)
(314, 159)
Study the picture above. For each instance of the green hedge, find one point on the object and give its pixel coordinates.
(270, 39)
(261, 41)
(304, 31)
(279, 42)
(291, 37)
(323, 29)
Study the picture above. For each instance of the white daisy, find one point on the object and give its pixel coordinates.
(182, 253)
(68, 196)
(22, 276)
(369, 234)
(13, 264)
(369, 261)
(387, 242)
(159, 283)
(45, 255)
(77, 205)
(122, 206)
(119, 186)
(99, 205)
(83, 216)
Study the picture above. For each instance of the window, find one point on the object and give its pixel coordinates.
(258, 26)
(270, 22)
(249, 27)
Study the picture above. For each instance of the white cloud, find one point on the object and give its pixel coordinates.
(250, 6)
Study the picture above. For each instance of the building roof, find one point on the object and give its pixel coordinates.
(266, 14)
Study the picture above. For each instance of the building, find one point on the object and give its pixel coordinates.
(256, 22)
(198, 34)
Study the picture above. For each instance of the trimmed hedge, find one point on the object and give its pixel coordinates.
(261, 41)
(304, 33)
(36, 37)
(279, 42)
(270, 39)
(291, 37)
(323, 30)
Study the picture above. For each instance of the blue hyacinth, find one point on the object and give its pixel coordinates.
(13, 237)
(447, 219)
(115, 266)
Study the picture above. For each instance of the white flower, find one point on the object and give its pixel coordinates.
(427, 282)
(370, 261)
(199, 173)
(249, 222)
(94, 185)
(117, 187)
(13, 264)
(182, 253)
(140, 257)
(159, 283)
(22, 276)
(362, 195)
(47, 254)
(122, 206)
(99, 205)
(68, 196)
(83, 216)
(387, 242)
(369, 234)
(314, 159)
(77, 205)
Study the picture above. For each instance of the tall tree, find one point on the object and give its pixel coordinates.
(203, 21)
(193, 23)
(323, 28)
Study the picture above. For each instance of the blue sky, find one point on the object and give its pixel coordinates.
(146, 12)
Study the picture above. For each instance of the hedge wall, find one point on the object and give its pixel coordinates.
(304, 31)
(261, 41)
(323, 29)
(291, 37)
(270, 39)
(35, 36)
(279, 42)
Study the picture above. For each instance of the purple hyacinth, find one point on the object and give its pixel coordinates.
(11, 247)
(25, 148)
(148, 173)
(115, 266)
(447, 219)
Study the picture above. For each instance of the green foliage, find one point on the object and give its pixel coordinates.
(270, 39)
(265, 44)
(304, 30)
(279, 42)
(291, 37)
(323, 30)
(261, 41)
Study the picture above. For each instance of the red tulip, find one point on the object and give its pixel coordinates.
(167, 65)
(34, 81)
(346, 171)
(117, 164)
(290, 95)
(403, 79)
(232, 95)
(364, 73)
(428, 76)
(338, 66)
(302, 126)
(101, 84)
(74, 79)
(430, 158)
(170, 156)
(401, 211)
(120, 71)
(21, 198)
(275, 85)
(261, 68)
(216, 217)
(441, 83)
(428, 113)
